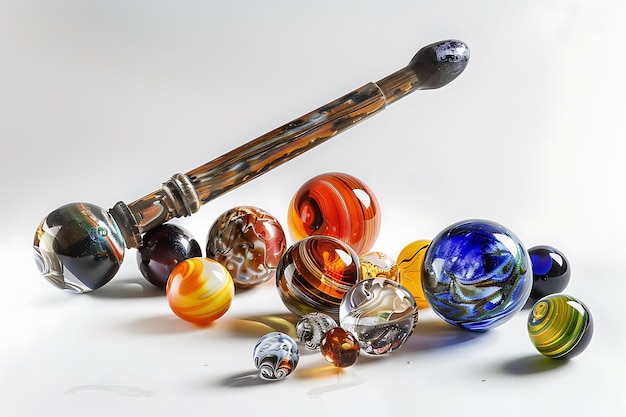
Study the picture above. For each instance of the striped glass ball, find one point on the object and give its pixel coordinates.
(339, 205)
(315, 273)
(560, 326)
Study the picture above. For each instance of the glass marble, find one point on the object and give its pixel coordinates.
(381, 313)
(163, 248)
(200, 290)
(249, 242)
(311, 327)
(477, 274)
(551, 271)
(315, 273)
(410, 263)
(78, 247)
(339, 205)
(378, 265)
(560, 326)
(340, 347)
(276, 355)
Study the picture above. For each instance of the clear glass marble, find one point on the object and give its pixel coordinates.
(381, 313)
(311, 328)
(276, 355)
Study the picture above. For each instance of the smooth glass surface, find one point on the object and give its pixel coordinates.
(551, 271)
(560, 326)
(200, 290)
(315, 273)
(339, 205)
(78, 247)
(381, 313)
(249, 242)
(477, 274)
(275, 356)
(162, 249)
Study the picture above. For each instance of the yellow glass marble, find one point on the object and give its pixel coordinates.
(560, 326)
(200, 290)
(410, 262)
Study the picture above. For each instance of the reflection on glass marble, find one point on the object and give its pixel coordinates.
(560, 326)
(162, 248)
(339, 205)
(249, 242)
(410, 264)
(315, 273)
(381, 314)
(340, 347)
(477, 274)
(551, 271)
(200, 290)
(311, 327)
(78, 247)
(378, 265)
(275, 355)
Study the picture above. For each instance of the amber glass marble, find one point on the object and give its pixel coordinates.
(410, 263)
(249, 242)
(340, 347)
(339, 205)
(200, 290)
(315, 273)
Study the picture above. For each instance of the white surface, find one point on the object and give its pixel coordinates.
(101, 101)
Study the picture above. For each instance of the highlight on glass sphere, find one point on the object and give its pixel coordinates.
(560, 326)
(315, 273)
(249, 242)
(200, 290)
(78, 247)
(339, 205)
(477, 274)
(551, 271)
(162, 249)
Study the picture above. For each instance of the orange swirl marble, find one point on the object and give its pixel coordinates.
(200, 290)
(338, 205)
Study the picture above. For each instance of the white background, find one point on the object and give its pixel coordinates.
(101, 101)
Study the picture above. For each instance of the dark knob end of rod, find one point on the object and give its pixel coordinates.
(439, 63)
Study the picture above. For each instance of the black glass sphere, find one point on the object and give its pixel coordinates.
(551, 271)
(162, 249)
